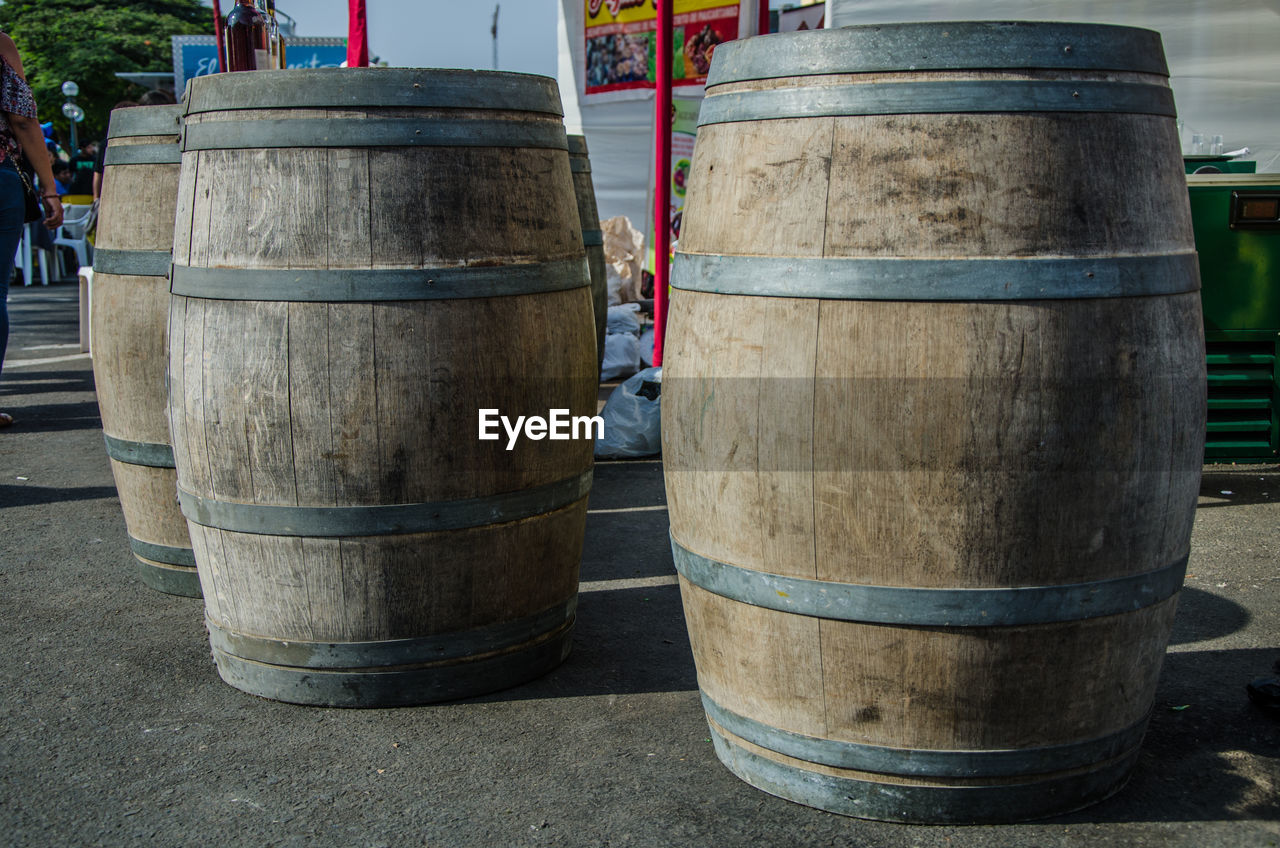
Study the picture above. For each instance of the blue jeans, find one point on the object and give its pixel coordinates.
(12, 206)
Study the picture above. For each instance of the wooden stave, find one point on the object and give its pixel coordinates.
(592, 236)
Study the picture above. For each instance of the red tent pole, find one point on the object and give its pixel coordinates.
(218, 24)
(764, 18)
(662, 179)
(357, 35)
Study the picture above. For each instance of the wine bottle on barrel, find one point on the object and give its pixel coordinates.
(247, 45)
(274, 38)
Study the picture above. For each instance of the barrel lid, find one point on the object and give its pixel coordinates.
(359, 88)
(957, 45)
(134, 121)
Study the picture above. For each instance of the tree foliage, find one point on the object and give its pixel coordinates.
(88, 41)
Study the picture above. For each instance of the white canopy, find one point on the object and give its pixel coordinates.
(1224, 59)
(1224, 56)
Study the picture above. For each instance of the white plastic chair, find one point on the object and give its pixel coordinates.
(77, 220)
(86, 306)
(25, 257)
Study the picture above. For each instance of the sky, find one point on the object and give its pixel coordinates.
(441, 33)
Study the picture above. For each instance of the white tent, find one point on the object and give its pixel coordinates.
(1224, 58)
(618, 126)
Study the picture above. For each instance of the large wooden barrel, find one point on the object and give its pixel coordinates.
(592, 236)
(932, 412)
(129, 314)
(364, 260)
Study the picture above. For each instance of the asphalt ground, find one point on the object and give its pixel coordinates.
(116, 730)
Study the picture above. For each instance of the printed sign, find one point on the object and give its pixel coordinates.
(621, 41)
(684, 128)
(197, 55)
(812, 16)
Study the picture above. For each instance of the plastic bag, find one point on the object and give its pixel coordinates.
(624, 319)
(646, 347)
(633, 418)
(624, 255)
(621, 356)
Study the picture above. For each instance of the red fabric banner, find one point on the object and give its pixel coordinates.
(357, 35)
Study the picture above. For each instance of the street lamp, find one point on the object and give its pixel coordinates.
(73, 112)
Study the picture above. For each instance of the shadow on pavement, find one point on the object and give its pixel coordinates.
(22, 382)
(624, 546)
(1237, 488)
(11, 495)
(55, 417)
(627, 485)
(1203, 615)
(1207, 748)
(625, 642)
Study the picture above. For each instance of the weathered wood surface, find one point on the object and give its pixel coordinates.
(129, 315)
(589, 215)
(362, 403)
(929, 444)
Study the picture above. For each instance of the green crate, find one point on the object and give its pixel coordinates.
(1221, 163)
(1244, 396)
(1240, 292)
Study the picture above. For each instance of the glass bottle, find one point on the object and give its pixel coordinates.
(275, 41)
(247, 45)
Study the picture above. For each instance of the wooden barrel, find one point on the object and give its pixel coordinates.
(364, 260)
(129, 314)
(933, 411)
(592, 236)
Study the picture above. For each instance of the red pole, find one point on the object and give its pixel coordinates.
(662, 179)
(357, 35)
(218, 24)
(764, 17)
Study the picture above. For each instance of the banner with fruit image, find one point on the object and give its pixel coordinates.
(684, 129)
(621, 35)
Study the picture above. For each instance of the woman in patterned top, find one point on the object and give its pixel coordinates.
(19, 131)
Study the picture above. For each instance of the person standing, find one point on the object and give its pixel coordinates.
(82, 169)
(19, 131)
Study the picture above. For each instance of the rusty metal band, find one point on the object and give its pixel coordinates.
(1007, 802)
(937, 98)
(908, 762)
(142, 154)
(579, 165)
(320, 285)
(383, 519)
(150, 454)
(441, 647)
(135, 121)
(372, 132)
(931, 607)
(858, 278)
(940, 46)
(137, 263)
(163, 553)
(592, 238)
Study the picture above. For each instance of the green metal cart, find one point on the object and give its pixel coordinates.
(1237, 229)
(1206, 164)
